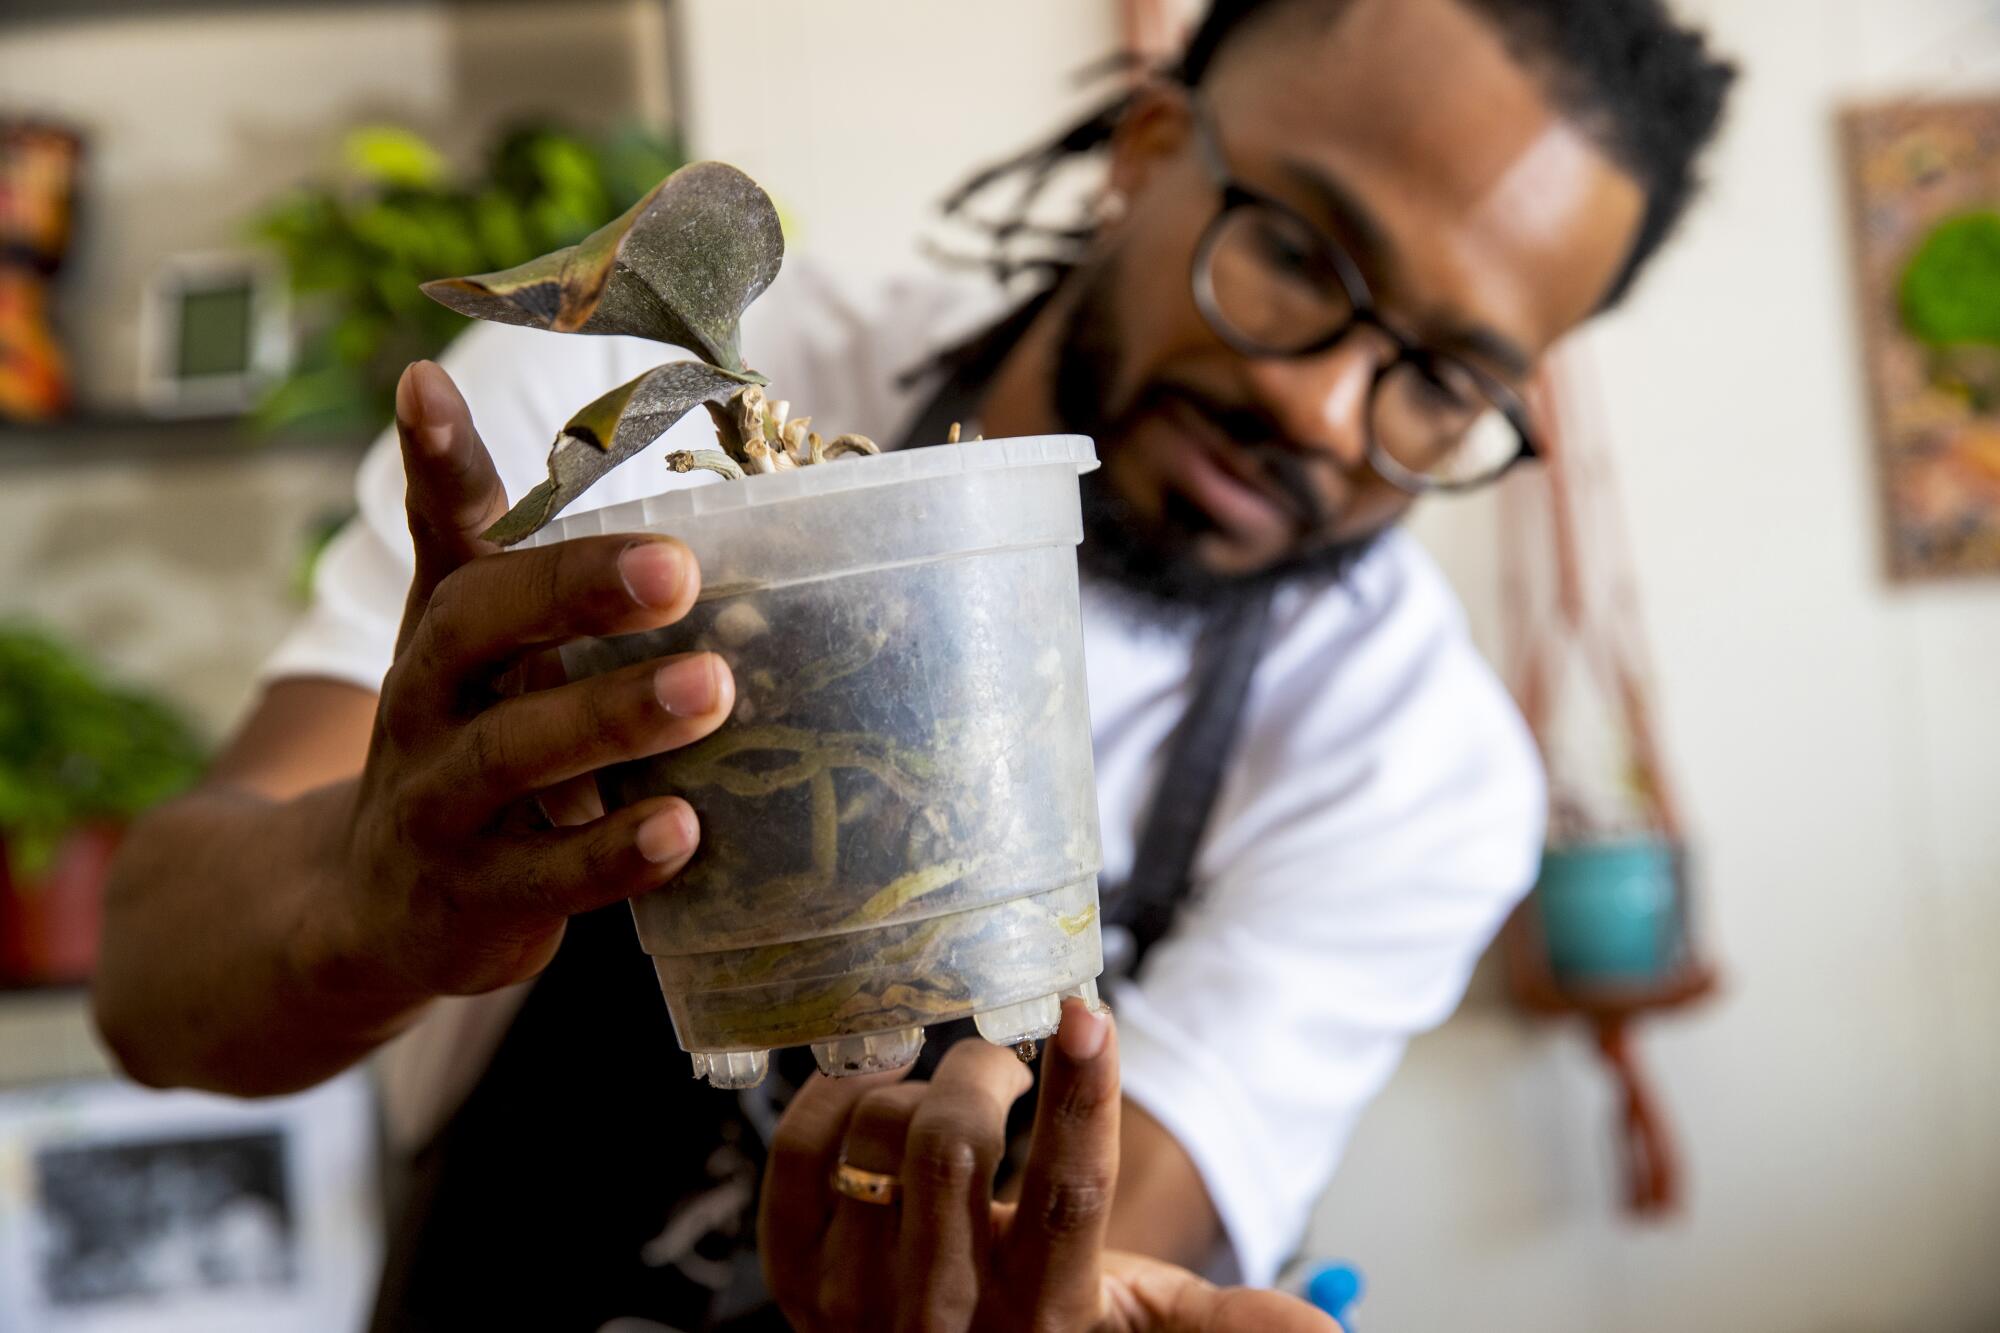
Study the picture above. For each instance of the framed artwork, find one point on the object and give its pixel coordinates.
(143, 1212)
(39, 170)
(1924, 182)
(214, 333)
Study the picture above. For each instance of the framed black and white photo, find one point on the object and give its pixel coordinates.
(144, 1212)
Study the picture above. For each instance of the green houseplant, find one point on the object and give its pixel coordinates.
(356, 247)
(79, 757)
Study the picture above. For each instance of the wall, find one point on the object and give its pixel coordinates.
(891, 103)
(1840, 748)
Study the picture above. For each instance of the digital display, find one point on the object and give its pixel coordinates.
(215, 331)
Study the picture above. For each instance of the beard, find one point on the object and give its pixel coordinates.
(1157, 562)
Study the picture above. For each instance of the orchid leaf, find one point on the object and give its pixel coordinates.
(680, 267)
(607, 432)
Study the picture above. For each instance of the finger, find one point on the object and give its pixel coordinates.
(549, 874)
(574, 800)
(1154, 1295)
(1056, 1239)
(858, 1283)
(795, 1202)
(879, 1126)
(537, 740)
(452, 491)
(953, 1147)
(486, 614)
(537, 671)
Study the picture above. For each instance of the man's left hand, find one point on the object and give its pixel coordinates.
(943, 1254)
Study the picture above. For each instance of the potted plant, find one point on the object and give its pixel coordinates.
(78, 759)
(900, 819)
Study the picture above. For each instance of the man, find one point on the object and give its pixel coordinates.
(1328, 255)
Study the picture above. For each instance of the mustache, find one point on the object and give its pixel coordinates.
(1285, 466)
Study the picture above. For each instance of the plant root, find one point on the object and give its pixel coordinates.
(707, 460)
(759, 435)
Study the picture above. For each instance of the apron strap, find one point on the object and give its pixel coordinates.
(1197, 759)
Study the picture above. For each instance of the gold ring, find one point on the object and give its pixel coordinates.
(863, 1186)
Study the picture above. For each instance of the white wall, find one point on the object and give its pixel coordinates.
(1839, 1105)
(890, 103)
(1839, 740)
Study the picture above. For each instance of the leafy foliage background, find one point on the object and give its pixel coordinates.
(358, 247)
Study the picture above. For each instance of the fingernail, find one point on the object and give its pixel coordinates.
(653, 572)
(423, 403)
(1083, 1032)
(687, 688)
(407, 407)
(668, 835)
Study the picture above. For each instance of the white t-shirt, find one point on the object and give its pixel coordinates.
(1383, 810)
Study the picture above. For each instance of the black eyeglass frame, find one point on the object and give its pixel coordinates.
(1236, 195)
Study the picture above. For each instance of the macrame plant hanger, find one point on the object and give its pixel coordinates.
(1607, 935)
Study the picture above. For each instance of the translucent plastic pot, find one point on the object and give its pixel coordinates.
(899, 821)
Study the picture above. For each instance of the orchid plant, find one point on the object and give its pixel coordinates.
(679, 267)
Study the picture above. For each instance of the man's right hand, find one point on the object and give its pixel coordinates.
(475, 833)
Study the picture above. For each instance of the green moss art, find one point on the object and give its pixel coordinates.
(1950, 290)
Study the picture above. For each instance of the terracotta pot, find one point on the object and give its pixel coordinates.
(49, 923)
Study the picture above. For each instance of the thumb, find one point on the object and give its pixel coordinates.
(452, 491)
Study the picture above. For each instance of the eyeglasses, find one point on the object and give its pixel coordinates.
(1272, 284)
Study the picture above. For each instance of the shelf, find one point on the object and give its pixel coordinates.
(64, 11)
(46, 1036)
(82, 441)
(41, 989)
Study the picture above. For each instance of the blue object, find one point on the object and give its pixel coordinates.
(1334, 1288)
(1611, 911)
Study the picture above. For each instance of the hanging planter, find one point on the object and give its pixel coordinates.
(1612, 914)
(1608, 933)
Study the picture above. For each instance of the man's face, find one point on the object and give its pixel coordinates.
(1485, 223)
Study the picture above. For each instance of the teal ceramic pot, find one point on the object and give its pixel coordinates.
(1611, 912)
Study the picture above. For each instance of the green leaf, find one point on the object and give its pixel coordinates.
(610, 430)
(330, 399)
(680, 266)
(391, 155)
(631, 158)
(569, 175)
(502, 228)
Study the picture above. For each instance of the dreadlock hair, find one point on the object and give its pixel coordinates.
(1646, 87)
